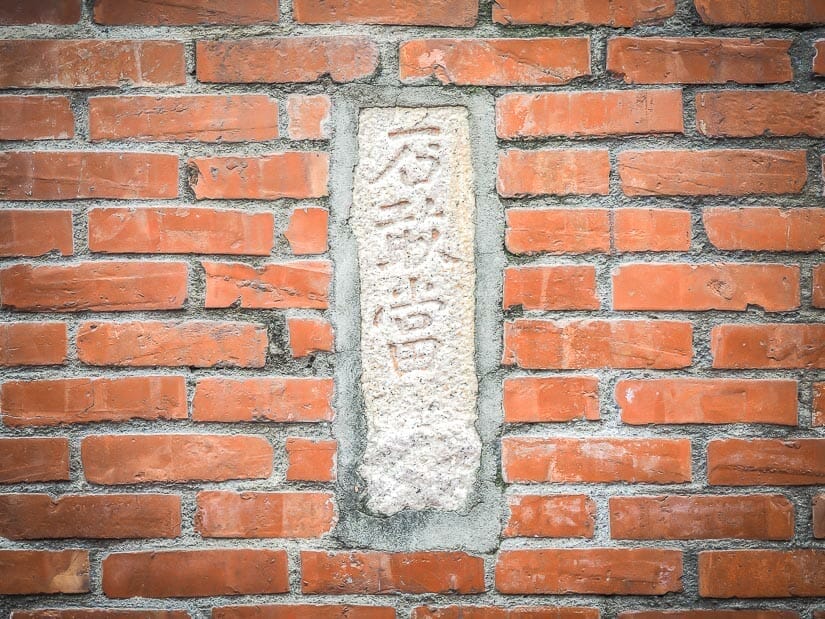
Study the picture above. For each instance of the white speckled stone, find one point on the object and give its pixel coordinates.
(413, 219)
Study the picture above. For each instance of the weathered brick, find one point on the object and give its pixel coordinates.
(761, 573)
(633, 571)
(494, 612)
(180, 230)
(307, 231)
(384, 572)
(35, 233)
(766, 462)
(697, 400)
(818, 286)
(33, 343)
(144, 458)
(755, 12)
(716, 613)
(767, 517)
(98, 613)
(595, 460)
(84, 400)
(30, 572)
(264, 514)
(310, 460)
(495, 62)
(195, 118)
(651, 229)
(308, 117)
(702, 287)
(198, 344)
(59, 12)
(818, 405)
(296, 174)
(589, 113)
(309, 335)
(699, 60)
(288, 59)
(185, 12)
(819, 57)
(35, 118)
(553, 172)
(551, 288)
(113, 516)
(818, 514)
(195, 573)
(34, 459)
(557, 231)
(790, 346)
(78, 63)
(533, 515)
(303, 611)
(263, 399)
(754, 114)
(94, 286)
(578, 344)
(444, 13)
(272, 286)
(62, 175)
(765, 228)
(532, 399)
(617, 13)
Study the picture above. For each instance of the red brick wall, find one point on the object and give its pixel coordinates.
(166, 341)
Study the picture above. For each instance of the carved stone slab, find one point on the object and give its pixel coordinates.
(413, 219)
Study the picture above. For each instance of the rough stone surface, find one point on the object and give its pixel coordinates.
(413, 212)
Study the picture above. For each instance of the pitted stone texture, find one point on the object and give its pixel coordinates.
(413, 218)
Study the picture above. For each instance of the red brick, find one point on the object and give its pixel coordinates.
(307, 231)
(84, 400)
(143, 458)
(712, 172)
(35, 233)
(186, 12)
(308, 336)
(767, 517)
(651, 229)
(310, 460)
(755, 12)
(492, 612)
(386, 573)
(738, 346)
(180, 230)
(272, 286)
(78, 63)
(96, 613)
(765, 228)
(702, 287)
(35, 118)
(197, 344)
(287, 59)
(818, 284)
(455, 13)
(33, 343)
(62, 175)
(550, 516)
(761, 573)
(577, 344)
(195, 573)
(264, 514)
(34, 459)
(819, 57)
(303, 611)
(755, 114)
(596, 460)
(532, 399)
(766, 462)
(269, 177)
(557, 231)
(114, 516)
(28, 572)
(551, 288)
(197, 118)
(617, 13)
(495, 62)
(699, 60)
(301, 400)
(589, 113)
(818, 414)
(95, 286)
(308, 117)
(60, 12)
(553, 172)
(696, 400)
(818, 509)
(717, 613)
(632, 571)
